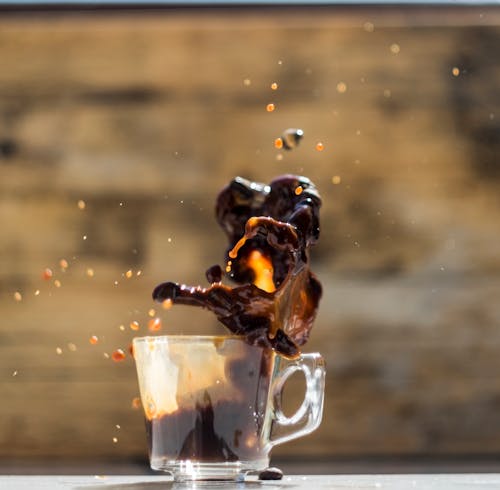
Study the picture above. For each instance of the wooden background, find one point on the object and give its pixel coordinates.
(145, 116)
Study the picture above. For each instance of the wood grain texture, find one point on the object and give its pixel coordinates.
(145, 118)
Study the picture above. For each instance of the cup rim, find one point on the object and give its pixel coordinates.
(185, 338)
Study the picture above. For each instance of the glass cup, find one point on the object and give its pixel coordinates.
(213, 404)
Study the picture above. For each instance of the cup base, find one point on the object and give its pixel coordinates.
(188, 470)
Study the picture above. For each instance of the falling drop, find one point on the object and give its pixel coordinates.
(18, 296)
(118, 355)
(395, 49)
(47, 274)
(81, 204)
(320, 146)
(134, 325)
(93, 340)
(128, 274)
(274, 86)
(270, 107)
(341, 88)
(154, 324)
(336, 179)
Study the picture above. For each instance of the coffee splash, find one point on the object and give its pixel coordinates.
(271, 229)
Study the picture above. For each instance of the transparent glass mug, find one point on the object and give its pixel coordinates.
(213, 404)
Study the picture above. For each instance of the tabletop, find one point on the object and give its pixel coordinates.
(296, 482)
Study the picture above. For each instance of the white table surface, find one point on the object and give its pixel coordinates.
(479, 481)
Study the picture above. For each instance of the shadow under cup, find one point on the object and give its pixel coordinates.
(213, 404)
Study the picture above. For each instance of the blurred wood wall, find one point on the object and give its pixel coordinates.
(145, 116)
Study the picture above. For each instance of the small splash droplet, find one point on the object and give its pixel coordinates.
(128, 274)
(320, 146)
(336, 179)
(81, 204)
(63, 263)
(278, 143)
(270, 107)
(57, 283)
(71, 346)
(247, 82)
(154, 324)
(152, 312)
(298, 190)
(341, 87)
(115, 440)
(122, 328)
(90, 272)
(58, 351)
(134, 325)
(395, 48)
(37, 292)
(84, 237)
(455, 71)
(368, 26)
(118, 355)
(47, 274)
(18, 296)
(94, 339)
(14, 374)
(118, 426)
(274, 86)
(136, 403)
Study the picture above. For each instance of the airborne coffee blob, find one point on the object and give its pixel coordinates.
(271, 229)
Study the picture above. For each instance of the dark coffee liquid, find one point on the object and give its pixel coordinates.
(270, 229)
(217, 428)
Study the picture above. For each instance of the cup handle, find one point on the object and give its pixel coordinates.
(308, 417)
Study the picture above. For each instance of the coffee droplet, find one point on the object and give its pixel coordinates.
(93, 340)
(47, 274)
(18, 296)
(274, 86)
(270, 107)
(136, 403)
(81, 204)
(154, 324)
(118, 355)
(134, 325)
(320, 146)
